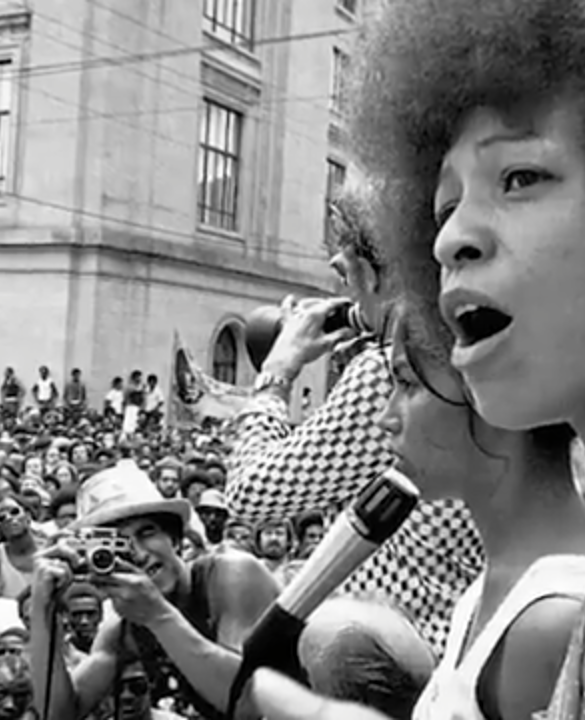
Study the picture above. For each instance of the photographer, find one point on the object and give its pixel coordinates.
(185, 622)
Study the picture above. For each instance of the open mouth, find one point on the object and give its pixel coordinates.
(474, 323)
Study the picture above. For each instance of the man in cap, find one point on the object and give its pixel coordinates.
(184, 621)
(213, 512)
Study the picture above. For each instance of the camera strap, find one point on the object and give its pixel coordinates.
(120, 651)
(51, 662)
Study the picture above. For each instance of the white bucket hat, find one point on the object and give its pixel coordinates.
(212, 498)
(123, 492)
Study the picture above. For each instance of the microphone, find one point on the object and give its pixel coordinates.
(374, 516)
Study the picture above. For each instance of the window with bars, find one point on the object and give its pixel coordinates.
(225, 357)
(338, 74)
(335, 179)
(350, 6)
(219, 161)
(231, 20)
(6, 102)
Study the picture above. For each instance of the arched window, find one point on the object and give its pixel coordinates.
(225, 357)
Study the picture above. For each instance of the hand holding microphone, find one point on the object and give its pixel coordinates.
(377, 512)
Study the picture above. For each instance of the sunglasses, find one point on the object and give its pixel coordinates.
(137, 686)
(20, 697)
(9, 513)
(10, 651)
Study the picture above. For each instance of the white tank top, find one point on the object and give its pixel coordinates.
(451, 693)
(12, 580)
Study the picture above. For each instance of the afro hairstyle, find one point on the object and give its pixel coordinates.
(421, 66)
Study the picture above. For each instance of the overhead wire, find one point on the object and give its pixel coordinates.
(97, 114)
(142, 57)
(160, 230)
(145, 113)
(180, 43)
(131, 58)
(265, 84)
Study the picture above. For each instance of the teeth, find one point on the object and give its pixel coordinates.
(469, 307)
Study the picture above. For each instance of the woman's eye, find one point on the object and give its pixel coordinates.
(515, 180)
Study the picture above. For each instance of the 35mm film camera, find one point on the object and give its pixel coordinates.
(99, 549)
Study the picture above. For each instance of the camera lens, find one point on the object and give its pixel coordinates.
(102, 561)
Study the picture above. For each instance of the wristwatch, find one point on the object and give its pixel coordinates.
(267, 380)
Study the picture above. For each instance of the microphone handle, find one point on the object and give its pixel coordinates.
(332, 561)
(273, 643)
(378, 511)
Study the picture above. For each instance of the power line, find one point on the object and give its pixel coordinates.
(180, 43)
(158, 80)
(159, 33)
(117, 118)
(97, 114)
(162, 111)
(91, 36)
(149, 228)
(131, 58)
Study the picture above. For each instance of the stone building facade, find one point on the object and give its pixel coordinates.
(164, 166)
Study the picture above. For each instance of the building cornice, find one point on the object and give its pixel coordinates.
(221, 260)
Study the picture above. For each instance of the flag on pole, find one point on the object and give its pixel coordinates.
(195, 395)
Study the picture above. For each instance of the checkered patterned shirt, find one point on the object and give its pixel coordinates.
(277, 470)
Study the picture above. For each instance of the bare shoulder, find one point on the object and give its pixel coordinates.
(523, 672)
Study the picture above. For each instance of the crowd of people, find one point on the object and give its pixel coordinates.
(143, 394)
(48, 453)
(136, 560)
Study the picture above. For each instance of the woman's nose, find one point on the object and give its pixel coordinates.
(339, 265)
(464, 239)
(390, 420)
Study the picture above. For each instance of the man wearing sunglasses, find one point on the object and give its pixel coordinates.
(134, 695)
(17, 547)
(186, 622)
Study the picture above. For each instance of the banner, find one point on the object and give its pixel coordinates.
(195, 395)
